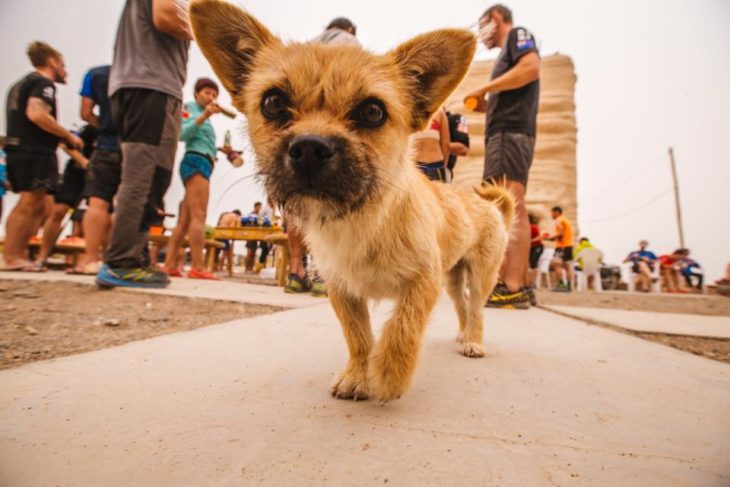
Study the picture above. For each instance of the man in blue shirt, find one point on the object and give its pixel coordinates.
(643, 262)
(105, 168)
(3, 174)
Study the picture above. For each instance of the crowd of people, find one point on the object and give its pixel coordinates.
(120, 163)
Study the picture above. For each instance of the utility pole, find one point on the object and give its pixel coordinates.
(676, 198)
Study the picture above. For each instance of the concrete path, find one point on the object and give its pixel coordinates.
(673, 323)
(194, 288)
(555, 402)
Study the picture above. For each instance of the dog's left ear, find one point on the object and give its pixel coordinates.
(433, 65)
(230, 39)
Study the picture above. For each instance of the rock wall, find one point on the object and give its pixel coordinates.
(553, 173)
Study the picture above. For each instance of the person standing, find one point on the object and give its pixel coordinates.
(32, 139)
(514, 92)
(145, 85)
(431, 148)
(459, 145)
(105, 168)
(69, 194)
(195, 170)
(563, 260)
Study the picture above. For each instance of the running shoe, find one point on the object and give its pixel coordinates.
(196, 274)
(109, 277)
(296, 285)
(562, 288)
(171, 272)
(531, 292)
(503, 298)
(319, 288)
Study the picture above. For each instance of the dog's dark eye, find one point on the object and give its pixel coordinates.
(275, 106)
(370, 113)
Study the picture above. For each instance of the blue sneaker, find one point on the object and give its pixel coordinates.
(109, 277)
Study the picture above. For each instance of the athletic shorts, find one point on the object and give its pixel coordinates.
(434, 171)
(564, 253)
(71, 189)
(30, 171)
(535, 253)
(193, 163)
(509, 156)
(104, 174)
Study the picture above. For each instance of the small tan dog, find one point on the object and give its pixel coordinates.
(329, 125)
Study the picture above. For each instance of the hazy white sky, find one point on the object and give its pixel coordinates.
(650, 74)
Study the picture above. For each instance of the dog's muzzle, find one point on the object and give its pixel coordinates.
(310, 154)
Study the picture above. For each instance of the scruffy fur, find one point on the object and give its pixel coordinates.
(376, 227)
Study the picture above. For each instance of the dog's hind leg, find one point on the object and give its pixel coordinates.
(456, 287)
(354, 317)
(395, 356)
(481, 279)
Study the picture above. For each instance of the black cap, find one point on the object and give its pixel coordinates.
(342, 23)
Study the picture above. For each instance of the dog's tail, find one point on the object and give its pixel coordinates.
(502, 197)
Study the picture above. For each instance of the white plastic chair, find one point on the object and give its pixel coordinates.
(543, 267)
(627, 273)
(591, 266)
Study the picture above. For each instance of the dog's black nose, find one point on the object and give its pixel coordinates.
(310, 152)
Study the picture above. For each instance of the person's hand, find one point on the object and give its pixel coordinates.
(73, 141)
(478, 95)
(212, 108)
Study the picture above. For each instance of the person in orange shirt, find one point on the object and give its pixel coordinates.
(563, 259)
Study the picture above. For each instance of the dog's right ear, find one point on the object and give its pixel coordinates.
(230, 38)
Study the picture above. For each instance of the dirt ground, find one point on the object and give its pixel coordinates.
(713, 348)
(43, 320)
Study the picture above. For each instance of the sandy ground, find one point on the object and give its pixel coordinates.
(43, 320)
(712, 348)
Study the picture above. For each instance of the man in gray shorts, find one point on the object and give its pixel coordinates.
(514, 92)
(145, 85)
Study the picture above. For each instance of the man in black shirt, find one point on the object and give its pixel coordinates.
(511, 128)
(459, 144)
(33, 135)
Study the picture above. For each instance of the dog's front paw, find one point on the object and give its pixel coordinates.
(386, 384)
(350, 385)
(473, 350)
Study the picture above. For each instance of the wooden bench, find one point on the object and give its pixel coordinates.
(73, 250)
(242, 233)
(210, 247)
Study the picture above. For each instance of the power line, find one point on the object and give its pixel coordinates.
(632, 210)
(620, 185)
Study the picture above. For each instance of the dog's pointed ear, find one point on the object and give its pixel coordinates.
(230, 38)
(433, 65)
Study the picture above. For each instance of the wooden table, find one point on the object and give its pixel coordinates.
(242, 233)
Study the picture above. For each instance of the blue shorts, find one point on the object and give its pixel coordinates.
(193, 163)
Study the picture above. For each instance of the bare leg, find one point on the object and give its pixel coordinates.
(354, 317)
(20, 227)
(394, 358)
(296, 251)
(176, 240)
(197, 197)
(518, 248)
(52, 230)
(96, 229)
(569, 271)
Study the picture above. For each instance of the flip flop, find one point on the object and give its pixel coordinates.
(25, 268)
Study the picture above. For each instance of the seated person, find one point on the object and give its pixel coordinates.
(691, 270)
(643, 262)
(670, 269)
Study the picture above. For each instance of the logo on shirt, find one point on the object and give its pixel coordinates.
(462, 126)
(48, 92)
(524, 40)
(185, 114)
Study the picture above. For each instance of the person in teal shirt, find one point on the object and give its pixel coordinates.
(195, 169)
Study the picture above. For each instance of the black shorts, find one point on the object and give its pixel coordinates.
(535, 253)
(434, 171)
(509, 156)
(104, 175)
(564, 253)
(71, 189)
(30, 171)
